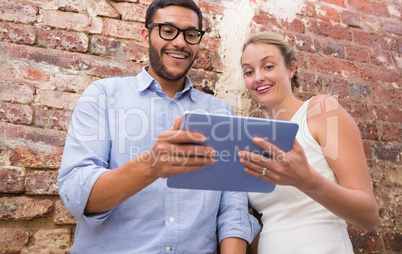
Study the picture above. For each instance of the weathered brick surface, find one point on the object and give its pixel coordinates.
(16, 113)
(46, 157)
(18, 11)
(74, 21)
(63, 216)
(50, 51)
(16, 92)
(23, 208)
(19, 33)
(41, 183)
(13, 240)
(52, 240)
(12, 180)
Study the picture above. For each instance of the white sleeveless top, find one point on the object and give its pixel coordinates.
(293, 223)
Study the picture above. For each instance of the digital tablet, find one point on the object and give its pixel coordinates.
(228, 134)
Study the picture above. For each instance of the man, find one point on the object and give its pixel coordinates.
(121, 147)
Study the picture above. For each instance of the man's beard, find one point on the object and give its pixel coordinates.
(160, 69)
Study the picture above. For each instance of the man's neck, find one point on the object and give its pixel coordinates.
(170, 88)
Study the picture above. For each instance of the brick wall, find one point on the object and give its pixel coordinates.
(51, 50)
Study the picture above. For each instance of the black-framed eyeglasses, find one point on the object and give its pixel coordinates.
(170, 32)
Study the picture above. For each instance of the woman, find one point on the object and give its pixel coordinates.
(323, 181)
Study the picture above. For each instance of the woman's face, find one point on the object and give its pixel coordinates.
(266, 76)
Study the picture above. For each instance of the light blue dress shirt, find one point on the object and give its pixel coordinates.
(115, 120)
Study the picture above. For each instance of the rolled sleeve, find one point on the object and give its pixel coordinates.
(234, 219)
(86, 152)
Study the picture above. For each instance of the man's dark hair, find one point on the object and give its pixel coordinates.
(160, 4)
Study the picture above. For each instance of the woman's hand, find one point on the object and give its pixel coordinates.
(281, 168)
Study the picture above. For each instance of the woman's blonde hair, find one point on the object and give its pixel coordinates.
(287, 52)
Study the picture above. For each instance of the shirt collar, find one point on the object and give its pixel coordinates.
(146, 81)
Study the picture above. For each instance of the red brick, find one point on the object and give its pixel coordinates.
(308, 9)
(376, 74)
(374, 40)
(210, 43)
(47, 157)
(12, 180)
(328, 30)
(72, 21)
(58, 99)
(45, 37)
(359, 91)
(387, 214)
(41, 183)
(123, 29)
(388, 152)
(103, 67)
(71, 83)
(131, 12)
(296, 26)
(18, 11)
(209, 61)
(13, 240)
(103, 8)
(135, 51)
(357, 54)
(384, 112)
(390, 132)
(334, 50)
(333, 66)
(203, 81)
(381, 58)
(301, 62)
(370, 7)
(45, 136)
(24, 208)
(32, 74)
(337, 87)
(208, 7)
(329, 14)
(63, 216)
(52, 119)
(393, 241)
(351, 18)
(365, 242)
(264, 18)
(383, 94)
(393, 27)
(119, 49)
(340, 3)
(310, 82)
(52, 240)
(307, 44)
(399, 46)
(355, 108)
(16, 92)
(16, 113)
(71, 41)
(72, 5)
(368, 130)
(389, 196)
(19, 33)
(53, 57)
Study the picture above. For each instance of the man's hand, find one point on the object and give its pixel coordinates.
(177, 151)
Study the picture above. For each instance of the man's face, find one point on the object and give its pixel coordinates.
(171, 60)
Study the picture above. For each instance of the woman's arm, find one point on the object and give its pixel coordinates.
(338, 135)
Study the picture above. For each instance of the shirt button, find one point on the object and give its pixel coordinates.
(167, 248)
(171, 219)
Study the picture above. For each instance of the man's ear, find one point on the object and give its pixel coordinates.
(145, 36)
